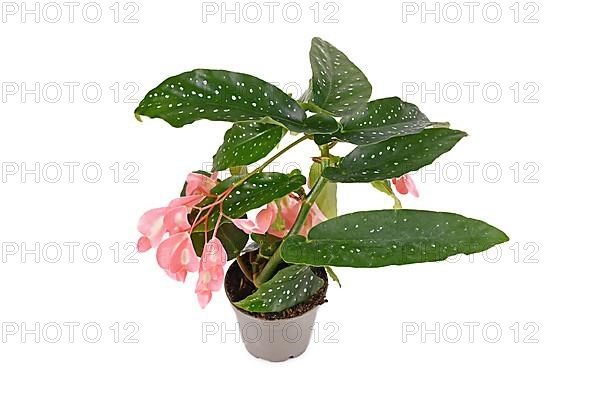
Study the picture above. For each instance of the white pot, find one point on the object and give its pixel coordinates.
(276, 340)
(270, 339)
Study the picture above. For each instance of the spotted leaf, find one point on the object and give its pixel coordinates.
(290, 286)
(381, 120)
(255, 192)
(338, 86)
(245, 143)
(390, 237)
(394, 157)
(219, 95)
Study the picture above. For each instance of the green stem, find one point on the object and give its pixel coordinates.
(274, 262)
(278, 154)
(263, 166)
(269, 161)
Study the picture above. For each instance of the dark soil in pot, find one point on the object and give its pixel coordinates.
(238, 287)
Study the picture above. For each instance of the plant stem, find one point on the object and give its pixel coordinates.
(277, 155)
(244, 268)
(271, 267)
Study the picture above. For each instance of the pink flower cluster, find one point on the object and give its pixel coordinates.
(176, 254)
(287, 208)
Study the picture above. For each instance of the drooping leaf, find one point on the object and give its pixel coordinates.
(338, 86)
(290, 286)
(327, 199)
(390, 237)
(234, 240)
(394, 157)
(219, 95)
(333, 275)
(245, 143)
(381, 120)
(255, 192)
(385, 187)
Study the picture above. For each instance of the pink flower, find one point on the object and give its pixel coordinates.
(264, 219)
(210, 279)
(199, 184)
(405, 185)
(187, 201)
(289, 209)
(151, 226)
(173, 219)
(178, 276)
(176, 220)
(208, 282)
(176, 254)
(315, 217)
(214, 255)
(177, 257)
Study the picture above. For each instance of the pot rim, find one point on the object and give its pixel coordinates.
(291, 319)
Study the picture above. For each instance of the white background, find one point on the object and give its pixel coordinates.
(546, 275)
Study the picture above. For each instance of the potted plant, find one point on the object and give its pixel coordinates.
(280, 278)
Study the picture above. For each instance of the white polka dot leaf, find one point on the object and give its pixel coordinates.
(219, 95)
(245, 143)
(394, 157)
(253, 193)
(338, 86)
(381, 120)
(390, 237)
(290, 286)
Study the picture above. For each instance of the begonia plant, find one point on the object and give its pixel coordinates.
(297, 227)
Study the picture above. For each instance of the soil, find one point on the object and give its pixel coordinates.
(238, 287)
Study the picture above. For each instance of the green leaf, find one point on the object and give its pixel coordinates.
(333, 276)
(394, 157)
(385, 187)
(267, 243)
(321, 123)
(255, 192)
(338, 86)
(390, 237)
(290, 286)
(381, 120)
(234, 240)
(245, 143)
(327, 200)
(219, 95)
